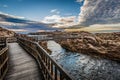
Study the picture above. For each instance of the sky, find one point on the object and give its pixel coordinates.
(38, 9)
(90, 15)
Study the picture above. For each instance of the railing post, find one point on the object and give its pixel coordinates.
(3, 59)
(56, 73)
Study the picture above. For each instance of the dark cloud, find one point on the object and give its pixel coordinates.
(100, 12)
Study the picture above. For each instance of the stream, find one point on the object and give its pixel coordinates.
(84, 67)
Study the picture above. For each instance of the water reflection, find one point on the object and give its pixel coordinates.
(85, 67)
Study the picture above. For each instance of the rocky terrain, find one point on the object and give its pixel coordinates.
(106, 45)
(6, 33)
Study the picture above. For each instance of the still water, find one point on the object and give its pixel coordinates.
(84, 67)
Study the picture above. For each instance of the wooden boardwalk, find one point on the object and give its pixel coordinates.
(21, 65)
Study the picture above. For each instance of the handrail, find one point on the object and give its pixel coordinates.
(56, 38)
(11, 39)
(3, 61)
(50, 69)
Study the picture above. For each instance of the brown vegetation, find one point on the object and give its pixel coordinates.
(44, 45)
(6, 33)
(105, 45)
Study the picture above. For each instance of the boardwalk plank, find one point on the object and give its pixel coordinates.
(21, 65)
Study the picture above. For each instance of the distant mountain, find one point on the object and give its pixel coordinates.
(22, 24)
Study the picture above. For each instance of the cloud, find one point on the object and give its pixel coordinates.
(51, 19)
(5, 6)
(103, 27)
(92, 12)
(12, 15)
(41, 30)
(66, 22)
(55, 11)
(99, 28)
(99, 12)
(18, 30)
(79, 0)
(59, 21)
(12, 24)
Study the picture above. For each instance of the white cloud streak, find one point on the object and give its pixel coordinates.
(99, 28)
(52, 19)
(12, 24)
(5, 6)
(79, 0)
(18, 30)
(12, 15)
(55, 11)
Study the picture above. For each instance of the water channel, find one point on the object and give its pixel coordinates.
(85, 67)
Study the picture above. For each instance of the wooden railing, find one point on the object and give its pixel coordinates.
(2, 42)
(37, 38)
(3, 59)
(49, 68)
(11, 39)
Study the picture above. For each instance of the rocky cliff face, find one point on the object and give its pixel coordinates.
(6, 33)
(94, 45)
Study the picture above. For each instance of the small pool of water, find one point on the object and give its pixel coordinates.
(85, 67)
